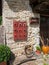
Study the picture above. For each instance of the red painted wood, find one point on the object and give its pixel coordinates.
(19, 30)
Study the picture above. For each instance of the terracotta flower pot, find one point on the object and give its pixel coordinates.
(3, 63)
(45, 49)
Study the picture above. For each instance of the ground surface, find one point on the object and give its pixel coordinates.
(38, 61)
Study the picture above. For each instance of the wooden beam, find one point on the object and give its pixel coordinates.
(42, 8)
(45, 15)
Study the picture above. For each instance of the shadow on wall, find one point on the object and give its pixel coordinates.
(18, 5)
(1, 34)
(12, 58)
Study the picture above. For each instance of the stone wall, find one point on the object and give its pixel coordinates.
(2, 35)
(19, 10)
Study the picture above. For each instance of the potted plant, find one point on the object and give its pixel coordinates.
(45, 48)
(38, 49)
(5, 54)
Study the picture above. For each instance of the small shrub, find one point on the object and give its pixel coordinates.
(5, 53)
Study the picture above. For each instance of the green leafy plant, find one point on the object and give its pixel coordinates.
(38, 48)
(0, 20)
(45, 64)
(5, 53)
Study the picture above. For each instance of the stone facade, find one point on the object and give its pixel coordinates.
(19, 10)
(2, 35)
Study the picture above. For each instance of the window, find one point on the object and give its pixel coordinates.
(44, 28)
